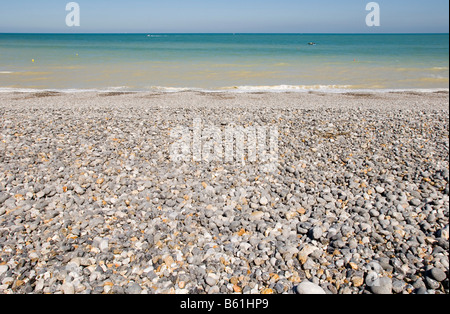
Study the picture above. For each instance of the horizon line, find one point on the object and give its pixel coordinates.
(224, 33)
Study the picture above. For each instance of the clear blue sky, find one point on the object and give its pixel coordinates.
(226, 16)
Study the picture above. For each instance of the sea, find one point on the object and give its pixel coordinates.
(224, 62)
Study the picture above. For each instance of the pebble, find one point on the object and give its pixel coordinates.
(357, 281)
(316, 233)
(3, 269)
(382, 285)
(380, 189)
(307, 287)
(214, 290)
(431, 283)
(133, 288)
(443, 233)
(68, 288)
(103, 245)
(437, 274)
(264, 201)
(398, 286)
(3, 197)
(211, 280)
(79, 190)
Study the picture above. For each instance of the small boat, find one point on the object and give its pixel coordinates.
(312, 44)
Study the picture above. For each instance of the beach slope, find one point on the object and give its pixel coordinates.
(92, 202)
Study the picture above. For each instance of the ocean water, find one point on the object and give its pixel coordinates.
(239, 62)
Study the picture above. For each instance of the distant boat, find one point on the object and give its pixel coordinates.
(312, 44)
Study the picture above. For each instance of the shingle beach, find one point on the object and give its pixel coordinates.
(91, 202)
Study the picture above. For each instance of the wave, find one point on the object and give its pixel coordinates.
(330, 89)
(292, 88)
(36, 90)
(6, 72)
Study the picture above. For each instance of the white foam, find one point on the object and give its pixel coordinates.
(338, 89)
(176, 89)
(291, 88)
(6, 72)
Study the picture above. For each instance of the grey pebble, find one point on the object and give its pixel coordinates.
(437, 274)
(211, 281)
(415, 202)
(3, 197)
(382, 286)
(133, 288)
(398, 286)
(316, 233)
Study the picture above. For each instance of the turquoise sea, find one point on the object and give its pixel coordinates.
(141, 62)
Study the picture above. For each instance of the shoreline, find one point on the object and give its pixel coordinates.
(236, 89)
(192, 100)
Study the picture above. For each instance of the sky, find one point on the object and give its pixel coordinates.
(227, 16)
